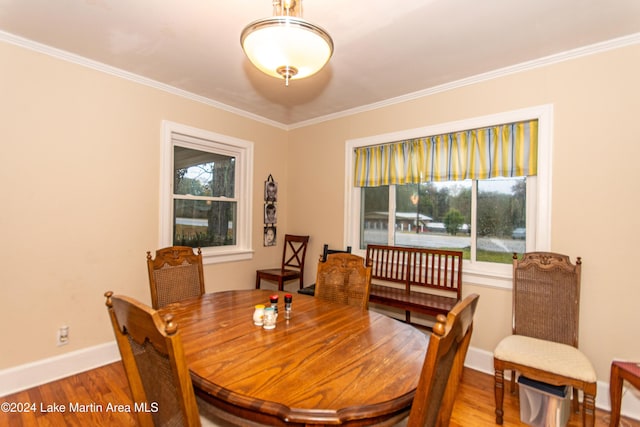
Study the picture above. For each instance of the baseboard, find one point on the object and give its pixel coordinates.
(29, 375)
(22, 377)
(482, 360)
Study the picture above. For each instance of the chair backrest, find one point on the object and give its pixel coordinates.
(153, 359)
(175, 274)
(345, 279)
(326, 251)
(546, 297)
(443, 365)
(294, 251)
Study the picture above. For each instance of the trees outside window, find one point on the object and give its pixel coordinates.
(205, 206)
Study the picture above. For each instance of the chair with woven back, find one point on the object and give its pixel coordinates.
(443, 365)
(344, 278)
(154, 363)
(175, 274)
(156, 369)
(292, 266)
(326, 250)
(544, 343)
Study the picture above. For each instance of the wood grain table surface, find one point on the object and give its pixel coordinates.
(329, 364)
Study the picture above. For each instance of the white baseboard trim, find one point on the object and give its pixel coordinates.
(22, 377)
(482, 360)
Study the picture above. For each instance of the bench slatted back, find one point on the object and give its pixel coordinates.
(389, 263)
(430, 268)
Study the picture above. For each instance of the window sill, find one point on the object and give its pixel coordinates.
(486, 274)
(216, 256)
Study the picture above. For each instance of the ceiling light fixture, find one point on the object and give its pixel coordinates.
(286, 45)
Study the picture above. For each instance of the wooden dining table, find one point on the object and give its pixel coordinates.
(330, 364)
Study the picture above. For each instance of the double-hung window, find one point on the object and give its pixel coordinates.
(206, 192)
(481, 186)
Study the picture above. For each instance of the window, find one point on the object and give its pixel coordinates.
(488, 219)
(206, 192)
(440, 215)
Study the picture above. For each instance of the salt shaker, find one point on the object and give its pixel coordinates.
(287, 306)
(258, 315)
(270, 317)
(274, 302)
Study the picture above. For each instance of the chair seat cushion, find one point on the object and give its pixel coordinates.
(561, 359)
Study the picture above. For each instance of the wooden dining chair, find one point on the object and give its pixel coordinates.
(153, 359)
(326, 250)
(544, 343)
(175, 274)
(443, 365)
(292, 266)
(154, 363)
(344, 278)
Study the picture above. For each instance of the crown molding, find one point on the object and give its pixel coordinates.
(517, 68)
(479, 78)
(136, 78)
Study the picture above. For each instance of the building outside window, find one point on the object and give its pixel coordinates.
(206, 192)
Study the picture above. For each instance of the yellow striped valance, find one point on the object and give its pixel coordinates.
(506, 150)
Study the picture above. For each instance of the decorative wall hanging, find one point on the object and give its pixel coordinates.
(270, 211)
(270, 236)
(270, 190)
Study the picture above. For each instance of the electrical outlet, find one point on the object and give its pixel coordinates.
(63, 336)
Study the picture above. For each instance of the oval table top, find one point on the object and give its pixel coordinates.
(328, 364)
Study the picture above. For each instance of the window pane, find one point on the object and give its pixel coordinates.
(374, 216)
(201, 173)
(501, 219)
(204, 223)
(434, 215)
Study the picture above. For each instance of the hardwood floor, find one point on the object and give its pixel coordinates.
(99, 397)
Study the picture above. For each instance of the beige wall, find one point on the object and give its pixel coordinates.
(80, 167)
(595, 175)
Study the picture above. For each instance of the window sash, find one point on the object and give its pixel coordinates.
(202, 140)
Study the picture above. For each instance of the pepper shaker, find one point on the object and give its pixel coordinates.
(274, 302)
(287, 306)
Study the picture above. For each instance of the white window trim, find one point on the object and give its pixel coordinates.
(242, 250)
(539, 212)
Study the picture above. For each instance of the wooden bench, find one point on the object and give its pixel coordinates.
(431, 279)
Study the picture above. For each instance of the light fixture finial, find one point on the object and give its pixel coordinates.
(287, 72)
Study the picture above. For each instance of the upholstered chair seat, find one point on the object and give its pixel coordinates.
(557, 358)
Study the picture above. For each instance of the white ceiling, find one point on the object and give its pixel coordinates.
(384, 49)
